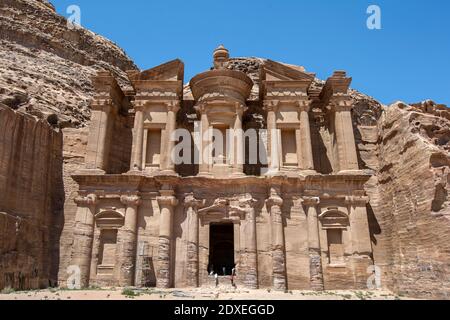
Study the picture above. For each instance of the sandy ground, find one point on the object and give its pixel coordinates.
(195, 294)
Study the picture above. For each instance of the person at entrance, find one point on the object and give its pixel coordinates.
(233, 275)
(216, 277)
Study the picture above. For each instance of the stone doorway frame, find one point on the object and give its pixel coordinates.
(236, 246)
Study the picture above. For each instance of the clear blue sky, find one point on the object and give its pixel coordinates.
(409, 59)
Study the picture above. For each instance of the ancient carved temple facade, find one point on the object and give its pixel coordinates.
(295, 219)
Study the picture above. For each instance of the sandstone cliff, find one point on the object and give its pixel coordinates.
(409, 201)
(45, 72)
(31, 200)
(45, 67)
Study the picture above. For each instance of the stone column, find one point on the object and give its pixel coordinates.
(271, 108)
(167, 202)
(172, 110)
(304, 150)
(359, 224)
(128, 238)
(239, 157)
(138, 137)
(315, 258)
(251, 278)
(205, 162)
(345, 138)
(97, 153)
(83, 236)
(192, 271)
(274, 204)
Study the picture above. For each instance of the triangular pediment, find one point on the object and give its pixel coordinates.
(275, 71)
(169, 71)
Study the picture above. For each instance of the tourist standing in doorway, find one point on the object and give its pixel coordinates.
(233, 275)
(216, 277)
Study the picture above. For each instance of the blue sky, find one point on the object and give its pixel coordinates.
(408, 59)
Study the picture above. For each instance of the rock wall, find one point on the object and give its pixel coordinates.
(45, 71)
(45, 67)
(31, 200)
(409, 208)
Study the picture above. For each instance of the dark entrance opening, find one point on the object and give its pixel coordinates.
(221, 249)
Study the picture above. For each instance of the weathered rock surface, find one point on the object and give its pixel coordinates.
(45, 71)
(409, 199)
(45, 67)
(31, 200)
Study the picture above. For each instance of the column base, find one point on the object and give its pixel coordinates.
(308, 172)
(134, 172)
(351, 172)
(274, 173)
(92, 172)
(167, 173)
(238, 175)
(205, 175)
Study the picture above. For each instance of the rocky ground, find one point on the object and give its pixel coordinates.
(197, 294)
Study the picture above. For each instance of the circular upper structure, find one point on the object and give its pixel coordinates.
(221, 84)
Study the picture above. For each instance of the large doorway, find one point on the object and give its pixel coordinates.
(221, 249)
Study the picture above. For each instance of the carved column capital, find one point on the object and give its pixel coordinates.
(201, 107)
(167, 198)
(311, 201)
(304, 105)
(271, 105)
(131, 200)
(86, 200)
(247, 202)
(139, 105)
(191, 202)
(173, 106)
(274, 198)
(341, 102)
(274, 201)
(240, 108)
(245, 207)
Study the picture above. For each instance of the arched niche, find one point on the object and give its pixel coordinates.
(109, 219)
(334, 225)
(334, 219)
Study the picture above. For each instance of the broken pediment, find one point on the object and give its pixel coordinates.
(280, 81)
(275, 71)
(334, 219)
(169, 71)
(109, 218)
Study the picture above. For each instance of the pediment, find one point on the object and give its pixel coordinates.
(109, 219)
(169, 71)
(275, 71)
(334, 219)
